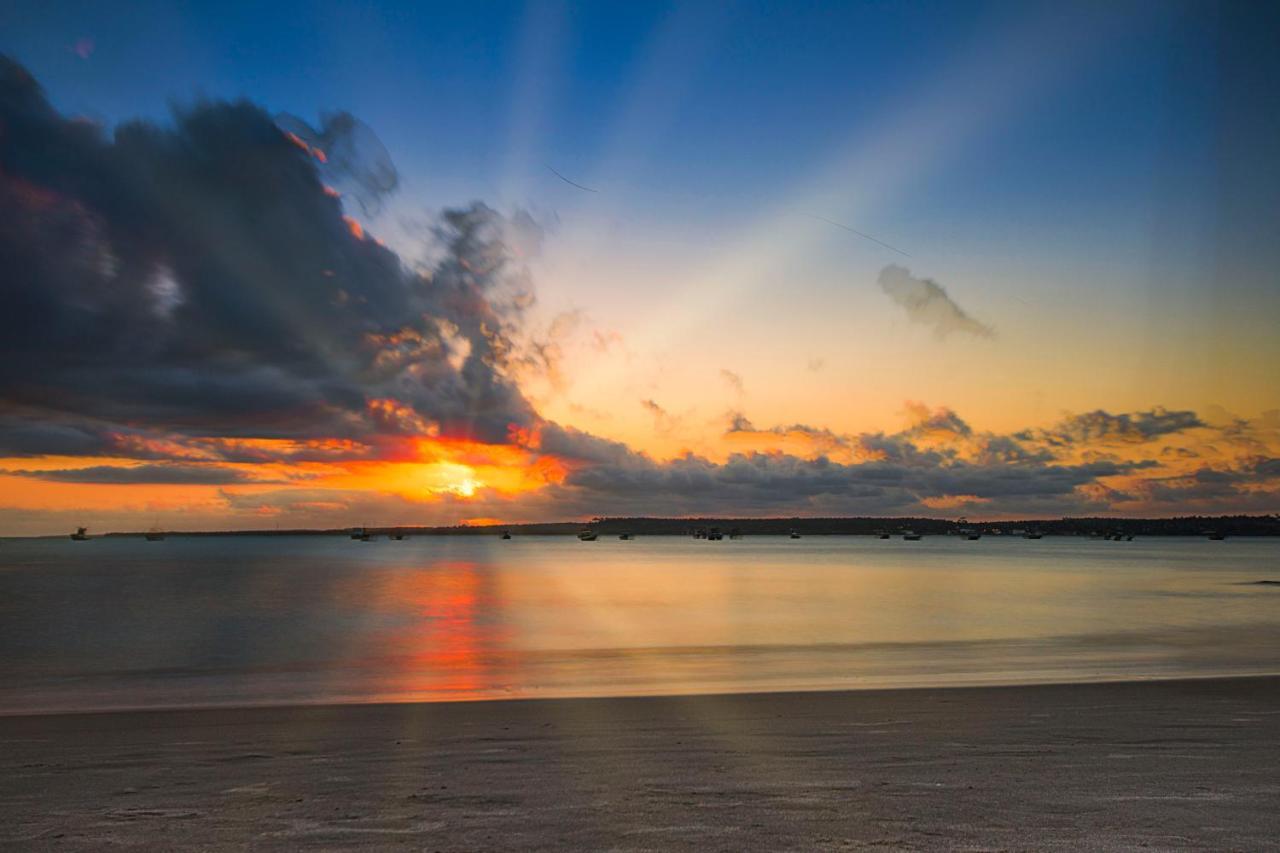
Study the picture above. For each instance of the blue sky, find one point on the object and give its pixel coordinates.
(736, 101)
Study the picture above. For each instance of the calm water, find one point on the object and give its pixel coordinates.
(249, 620)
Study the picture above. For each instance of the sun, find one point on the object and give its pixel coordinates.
(465, 487)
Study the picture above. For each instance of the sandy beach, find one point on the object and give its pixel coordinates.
(1178, 764)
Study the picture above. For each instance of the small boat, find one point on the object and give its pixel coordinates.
(587, 535)
(358, 533)
(1031, 535)
(506, 534)
(1216, 537)
(795, 535)
(884, 535)
(714, 534)
(973, 537)
(399, 537)
(154, 535)
(625, 537)
(366, 536)
(911, 537)
(81, 534)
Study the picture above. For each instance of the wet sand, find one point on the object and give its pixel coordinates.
(1190, 764)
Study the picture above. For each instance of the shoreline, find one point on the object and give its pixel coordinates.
(1255, 525)
(1185, 763)
(817, 693)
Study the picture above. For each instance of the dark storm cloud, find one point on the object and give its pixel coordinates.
(197, 277)
(927, 302)
(167, 475)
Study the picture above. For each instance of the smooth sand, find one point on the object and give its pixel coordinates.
(1164, 765)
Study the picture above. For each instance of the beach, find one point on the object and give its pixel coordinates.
(1168, 765)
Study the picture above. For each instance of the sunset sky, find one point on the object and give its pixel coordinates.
(323, 265)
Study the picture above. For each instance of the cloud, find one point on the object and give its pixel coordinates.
(937, 423)
(1101, 426)
(544, 355)
(808, 470)
(927, 302)
(733, 380)
(142, 474)
(350, 158)
(800, 439)
(659, 414)
(756, 483)
(19, 437)
(197, 278)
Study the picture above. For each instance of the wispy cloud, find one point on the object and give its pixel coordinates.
(733, 380)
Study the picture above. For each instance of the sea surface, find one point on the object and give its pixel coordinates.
(246, 620)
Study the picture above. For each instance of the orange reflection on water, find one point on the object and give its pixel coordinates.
(452, 646)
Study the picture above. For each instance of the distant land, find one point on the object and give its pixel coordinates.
(1191, 525)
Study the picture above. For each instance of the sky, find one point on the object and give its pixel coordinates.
(326, 264)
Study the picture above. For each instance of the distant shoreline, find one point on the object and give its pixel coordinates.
(1100, 526)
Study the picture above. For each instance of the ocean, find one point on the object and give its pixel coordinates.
(119, 622)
